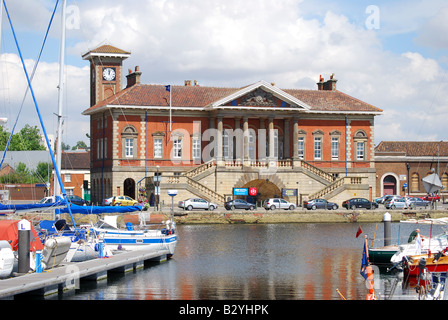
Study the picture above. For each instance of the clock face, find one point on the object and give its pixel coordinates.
(109, 74)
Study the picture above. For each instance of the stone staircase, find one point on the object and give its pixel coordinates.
(338, 184)
(195, 187)
(190, 180)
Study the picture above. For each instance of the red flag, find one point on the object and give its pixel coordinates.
(358, 232)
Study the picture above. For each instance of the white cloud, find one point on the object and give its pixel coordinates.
(45, 83)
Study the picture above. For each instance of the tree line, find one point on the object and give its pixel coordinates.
(29, 139)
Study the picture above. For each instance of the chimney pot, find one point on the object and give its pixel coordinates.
(188, 83)
(133, 78)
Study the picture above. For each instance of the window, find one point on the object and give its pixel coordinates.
(68, 177)
(360, 140)
(196, 148)
(317, 148)
(252, 144)
(177, 148)
(276, 144)
(360, 151)
(158, 153)
(445, 181)
(129, 142)
(129, 148)
(100, 145)
(415, 182)
(301, 147)
(335, 144)
(226, 145)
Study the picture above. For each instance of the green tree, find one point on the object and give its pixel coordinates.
(27, 139)
(80, 145)
(43, 171)
(64, 146)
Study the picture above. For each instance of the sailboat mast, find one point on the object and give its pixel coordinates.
(57, 187)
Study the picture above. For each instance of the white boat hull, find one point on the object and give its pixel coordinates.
(138, 240)
(6, 259)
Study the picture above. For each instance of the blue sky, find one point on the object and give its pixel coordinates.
(399, 65)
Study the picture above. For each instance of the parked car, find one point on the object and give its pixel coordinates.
(77, 200)
(381, 199)
(414, 202)
(50, 199)
(71, 198)
(239, 204)
(108, 201)
(276, 203)
(396, 203)
(123, 201)
(431, 197)
(320, 204)
(355, 203)
(197, 203)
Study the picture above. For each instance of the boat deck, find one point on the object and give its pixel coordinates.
(67, 276)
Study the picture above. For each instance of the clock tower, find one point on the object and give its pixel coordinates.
(106, 72)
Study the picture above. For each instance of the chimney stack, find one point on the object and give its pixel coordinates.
(133, 77)
(329, 85)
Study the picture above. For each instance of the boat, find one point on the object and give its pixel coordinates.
(81, 247)
(393, 254)
(6, 259)
(381, 257)
(162, 236)
(433, 263)
(53, 251)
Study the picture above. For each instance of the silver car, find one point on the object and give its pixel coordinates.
(414, 202)
(276, 203)
(396, 202)
(197, 203)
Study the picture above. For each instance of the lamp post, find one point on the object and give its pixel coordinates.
(408, 166)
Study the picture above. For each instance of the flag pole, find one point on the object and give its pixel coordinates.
(170, 108)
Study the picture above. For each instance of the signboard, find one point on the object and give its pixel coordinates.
(289, 192)
(172, 193)
(253, 191)
(240, 191)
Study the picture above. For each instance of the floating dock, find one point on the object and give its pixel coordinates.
(68, 277)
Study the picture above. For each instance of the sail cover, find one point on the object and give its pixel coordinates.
(432, 183)
(64, 209)
(100, 210)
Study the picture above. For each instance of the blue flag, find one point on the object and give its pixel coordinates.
(365, 261)
(168, 88)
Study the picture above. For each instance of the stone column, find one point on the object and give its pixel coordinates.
(272, 160)
(286, 140)
(238, 141)
(246, 161)
(295, 146)
(261, 141)
(219, 158)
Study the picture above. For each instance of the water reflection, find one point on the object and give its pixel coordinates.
(252, 262)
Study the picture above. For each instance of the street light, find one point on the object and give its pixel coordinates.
(408, 166)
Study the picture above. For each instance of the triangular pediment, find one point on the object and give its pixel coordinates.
(260, 95)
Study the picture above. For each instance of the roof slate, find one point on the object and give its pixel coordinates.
(414, 148)
(199, 96)
(75, 160)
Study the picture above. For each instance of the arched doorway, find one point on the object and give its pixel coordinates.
(265, 189)
(129, 188)
(389, 185)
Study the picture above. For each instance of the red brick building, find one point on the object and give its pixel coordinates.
(406, 163)
(205, 141)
